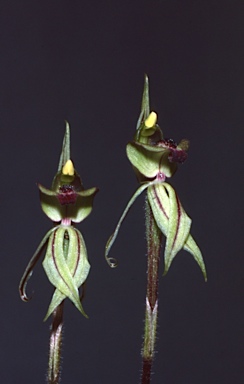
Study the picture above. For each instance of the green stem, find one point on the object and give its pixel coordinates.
(154, 239)
(55, 346)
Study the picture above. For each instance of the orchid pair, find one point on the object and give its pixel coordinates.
(154, 159)
(65, 263)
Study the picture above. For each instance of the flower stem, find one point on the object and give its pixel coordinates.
(54, 362)
(154, 239)
(55, 346)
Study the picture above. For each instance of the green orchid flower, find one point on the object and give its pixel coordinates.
(65, 263)
(155, 158)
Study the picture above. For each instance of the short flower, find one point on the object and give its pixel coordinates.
(65, 263)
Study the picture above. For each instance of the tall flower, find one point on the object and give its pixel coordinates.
(154, 159)
(65, 263)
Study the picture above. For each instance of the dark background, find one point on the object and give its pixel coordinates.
(85, 62)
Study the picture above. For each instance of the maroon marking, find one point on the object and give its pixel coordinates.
(175, 155)
(78, 258)
(170, 143)
(67, 195)
(166, 143)
(159, 202)
(178, 221)
(161, 176)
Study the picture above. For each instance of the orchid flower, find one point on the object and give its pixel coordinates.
(154, 159)
(65, 263)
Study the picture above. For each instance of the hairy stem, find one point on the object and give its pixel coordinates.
(154, 239)
(54, 362)
(55, 346)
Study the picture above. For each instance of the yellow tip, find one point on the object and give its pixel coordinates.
(151, 120)
(68, 168)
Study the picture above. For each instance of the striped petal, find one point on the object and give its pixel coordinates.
(174, 223)
(67, 268)
(77, 263)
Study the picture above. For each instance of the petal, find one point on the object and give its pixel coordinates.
(80, 266)
(174, 224)
(50, 204)
(77, 263)
(57, 270)
(111, 261)
(83, 205)
(159, 202)
(145, 161)
(153, 148)
(76, 212)
(169, 217)
(178, 226)
(193, 248)
(65, 154)
(29, 269)
(57, 299)
(150, 160)
(145, 107)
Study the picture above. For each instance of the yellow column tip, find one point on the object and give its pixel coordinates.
(68, 168)
(151, 120)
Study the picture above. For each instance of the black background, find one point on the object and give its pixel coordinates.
(85, 62)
